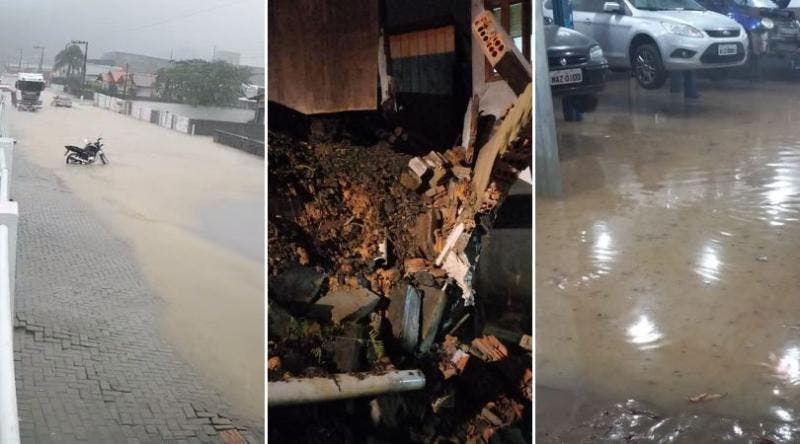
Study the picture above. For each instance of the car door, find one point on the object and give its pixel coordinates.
(583, 16)
(611, 30)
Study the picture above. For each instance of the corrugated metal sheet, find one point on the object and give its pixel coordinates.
(323, 55)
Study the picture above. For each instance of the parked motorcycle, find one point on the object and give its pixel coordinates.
(86, 155)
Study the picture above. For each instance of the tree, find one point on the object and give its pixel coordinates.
(198, 82)
(70, 57)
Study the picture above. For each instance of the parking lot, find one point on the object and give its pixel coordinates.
(668, 268)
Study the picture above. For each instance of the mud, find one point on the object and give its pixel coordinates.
(669, 267)
(164, 192)
(331, 204)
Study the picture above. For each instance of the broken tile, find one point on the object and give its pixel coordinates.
(489, 349)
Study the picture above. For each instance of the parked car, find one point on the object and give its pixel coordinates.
(577, 66)
(62, 101)
(653, 37)
(771, 29)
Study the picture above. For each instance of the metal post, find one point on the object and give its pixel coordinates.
(548, 174)
(343, 386)
(562, 13)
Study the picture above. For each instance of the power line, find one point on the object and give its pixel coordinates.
(180, 17)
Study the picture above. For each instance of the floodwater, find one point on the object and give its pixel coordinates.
(670, 267)
(188, 207)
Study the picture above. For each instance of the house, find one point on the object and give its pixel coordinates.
(142, 85)
(417, 59)
(113, 81)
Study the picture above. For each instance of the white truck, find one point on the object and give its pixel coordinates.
(30, 86)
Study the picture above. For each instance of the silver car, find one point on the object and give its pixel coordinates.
(653, 37)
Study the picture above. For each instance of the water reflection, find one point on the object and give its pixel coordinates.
(708, 263)
(644, 333)
(603, 251)
(787, 366)
(783, 414)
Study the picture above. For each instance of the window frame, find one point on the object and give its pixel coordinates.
(505, 22)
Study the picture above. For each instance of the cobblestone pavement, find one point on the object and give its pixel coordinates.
(90, 363)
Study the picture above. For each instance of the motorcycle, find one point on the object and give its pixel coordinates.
(86, 155)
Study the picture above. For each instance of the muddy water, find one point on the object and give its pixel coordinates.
(672, 265)
(188, 207)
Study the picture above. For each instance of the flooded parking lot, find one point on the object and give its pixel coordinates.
(668, 269)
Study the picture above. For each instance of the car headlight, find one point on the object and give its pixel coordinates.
(596, 53)
(681, 29)
(767, 23)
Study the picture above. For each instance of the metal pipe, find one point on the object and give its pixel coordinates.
(4, 185)
(342, 386)
(9, 422)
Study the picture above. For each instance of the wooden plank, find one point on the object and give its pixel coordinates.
(517, 120)
(325, 61)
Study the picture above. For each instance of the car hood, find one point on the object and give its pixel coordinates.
(697, 19)
(560, 39)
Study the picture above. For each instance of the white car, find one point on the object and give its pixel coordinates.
(653, 37)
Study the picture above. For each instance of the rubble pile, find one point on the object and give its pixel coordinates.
(371, 256)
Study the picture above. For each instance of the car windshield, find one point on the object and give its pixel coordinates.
(667, 5)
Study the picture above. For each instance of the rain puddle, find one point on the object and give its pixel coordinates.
(669, 268)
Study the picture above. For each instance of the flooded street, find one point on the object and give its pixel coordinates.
(669, 268)
(193, 212)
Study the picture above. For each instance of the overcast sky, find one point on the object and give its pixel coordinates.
(190, 28)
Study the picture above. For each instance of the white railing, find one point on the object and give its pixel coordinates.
(9, 216)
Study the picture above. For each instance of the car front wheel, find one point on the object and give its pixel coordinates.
(648, 67)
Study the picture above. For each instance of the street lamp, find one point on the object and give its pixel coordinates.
(85, 56)
(41, 57)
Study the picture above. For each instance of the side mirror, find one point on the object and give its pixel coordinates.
(547, 20)
(612, 7)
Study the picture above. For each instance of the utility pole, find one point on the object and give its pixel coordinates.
(20, 61)
(41, 57)
(125, 88)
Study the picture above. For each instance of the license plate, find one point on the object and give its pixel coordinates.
(725, 50)
(566, 76)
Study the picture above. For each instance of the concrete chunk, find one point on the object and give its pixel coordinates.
(347, 304)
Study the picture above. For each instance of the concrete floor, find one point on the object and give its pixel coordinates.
(188, 208)
(669, 268)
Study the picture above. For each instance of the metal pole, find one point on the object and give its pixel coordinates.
(9, 422)
(41, 56)
(548, 174)
(342, 386)
(20, 61)
(85, 57)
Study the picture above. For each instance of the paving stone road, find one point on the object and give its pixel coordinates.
(90, 363)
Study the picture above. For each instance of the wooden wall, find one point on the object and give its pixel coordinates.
(323, 55)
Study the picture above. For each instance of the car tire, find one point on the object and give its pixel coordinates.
(585, 104)
(648, 67)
